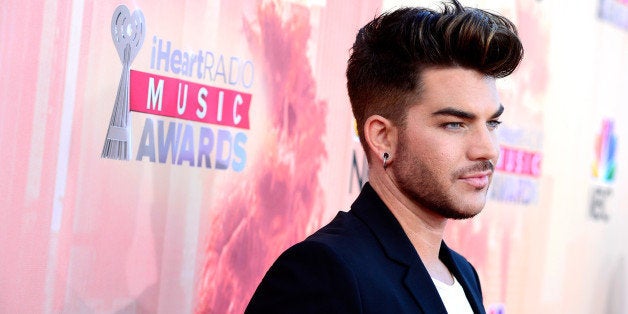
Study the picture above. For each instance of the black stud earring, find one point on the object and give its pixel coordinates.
(386, 156)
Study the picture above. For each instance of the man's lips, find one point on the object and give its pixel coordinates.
(478, 180)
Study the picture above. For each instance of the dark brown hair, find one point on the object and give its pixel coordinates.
(391, 51)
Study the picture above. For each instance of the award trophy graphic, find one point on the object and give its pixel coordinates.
(128, 32)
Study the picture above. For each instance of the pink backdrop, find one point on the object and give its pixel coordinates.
(204, 205)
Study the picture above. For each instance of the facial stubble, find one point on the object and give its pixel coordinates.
(423, 186)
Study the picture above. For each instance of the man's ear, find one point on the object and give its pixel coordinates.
(381, 136)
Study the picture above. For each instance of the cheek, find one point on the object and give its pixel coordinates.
(444, 154)
(444, 163)
(431, 149)
(438, 162)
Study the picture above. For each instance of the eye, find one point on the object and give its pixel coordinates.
(493, 124)
(453, 125)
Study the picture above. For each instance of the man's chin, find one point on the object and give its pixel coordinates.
(468, 210)
(460, 215)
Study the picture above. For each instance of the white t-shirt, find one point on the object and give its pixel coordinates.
(453, 297)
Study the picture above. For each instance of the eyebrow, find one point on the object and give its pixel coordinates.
(449, 111)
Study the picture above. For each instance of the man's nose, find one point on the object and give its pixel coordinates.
(483, 145)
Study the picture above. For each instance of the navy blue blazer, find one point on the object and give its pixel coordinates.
(361, 262)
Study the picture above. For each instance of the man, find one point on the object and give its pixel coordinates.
(422, 89)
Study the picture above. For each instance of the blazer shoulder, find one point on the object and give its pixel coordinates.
(309, 277)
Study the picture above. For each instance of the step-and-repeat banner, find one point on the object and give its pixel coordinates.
(158, 156)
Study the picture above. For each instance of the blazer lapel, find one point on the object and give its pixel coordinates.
(369, 208)
(422, 288)
(467, 279)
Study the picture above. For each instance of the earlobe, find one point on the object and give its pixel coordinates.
(381, 137)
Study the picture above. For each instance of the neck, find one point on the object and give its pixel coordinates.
(423, 227)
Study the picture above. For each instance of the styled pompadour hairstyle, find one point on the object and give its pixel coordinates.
(391, 52)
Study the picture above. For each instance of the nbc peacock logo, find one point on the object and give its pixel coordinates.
(604, 165)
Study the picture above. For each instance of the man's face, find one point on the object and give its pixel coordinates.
(446, 152)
